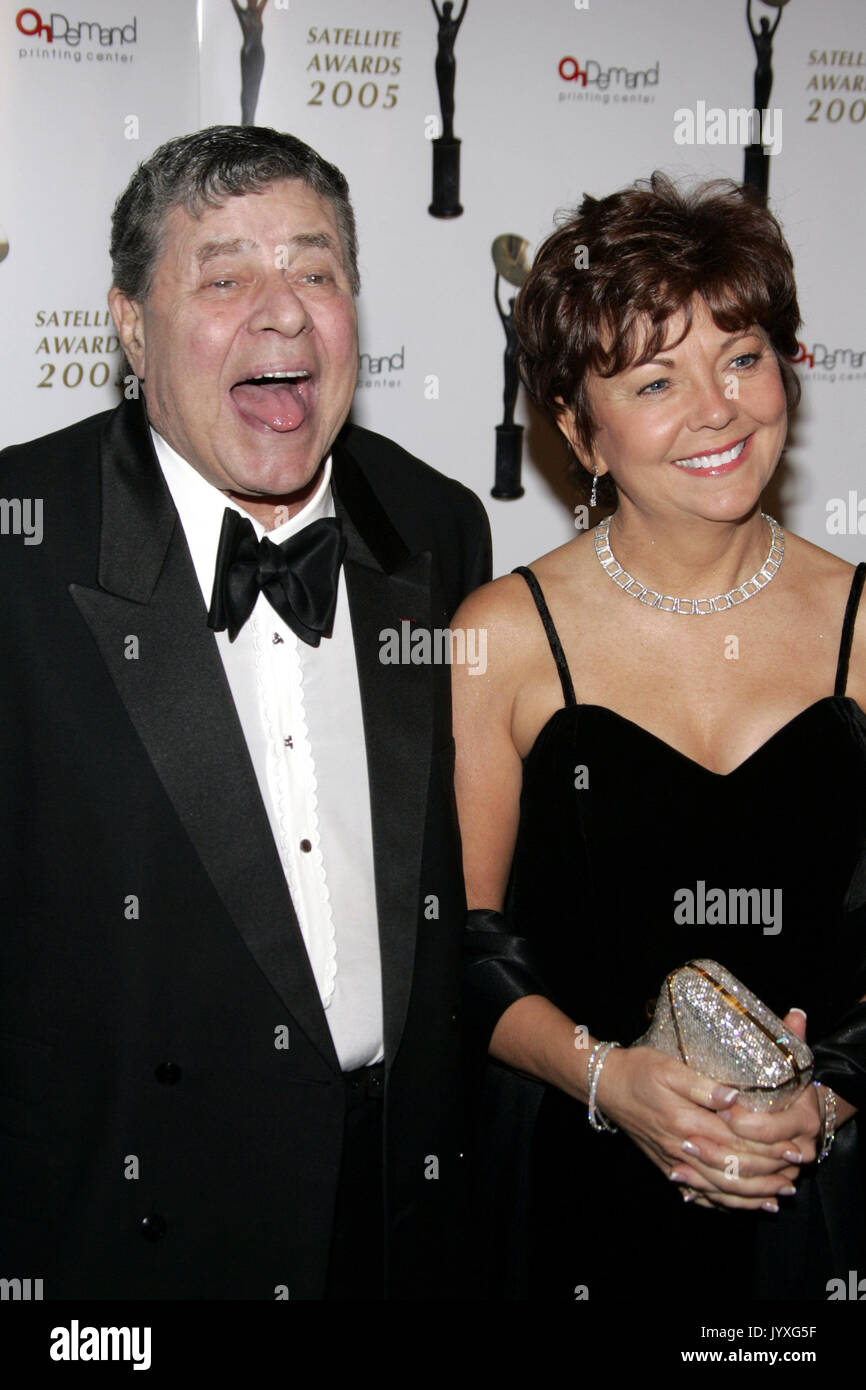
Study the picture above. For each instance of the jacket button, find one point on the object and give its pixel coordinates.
(168, 1073)
(152, 1227)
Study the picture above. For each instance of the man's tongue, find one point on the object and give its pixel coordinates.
(280, 406)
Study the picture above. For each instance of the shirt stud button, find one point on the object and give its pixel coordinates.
(152, 1227)
(168, 1073)
(306, 846)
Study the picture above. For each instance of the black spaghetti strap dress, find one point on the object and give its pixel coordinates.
(613, 824)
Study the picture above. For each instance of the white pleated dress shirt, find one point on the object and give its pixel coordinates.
(300, 711)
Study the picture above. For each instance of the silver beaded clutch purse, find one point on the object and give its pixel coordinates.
(708, 1019)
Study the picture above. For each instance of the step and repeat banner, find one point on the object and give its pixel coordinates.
(462, 130)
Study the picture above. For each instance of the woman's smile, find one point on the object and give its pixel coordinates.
(714, 462)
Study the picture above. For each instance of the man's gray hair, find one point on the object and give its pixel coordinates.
(202, 170)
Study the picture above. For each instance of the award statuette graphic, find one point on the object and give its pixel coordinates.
(252, 56)
(446, 149)
(511, 258)
(757, 169)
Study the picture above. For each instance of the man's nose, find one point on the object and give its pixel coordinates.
(279, 307)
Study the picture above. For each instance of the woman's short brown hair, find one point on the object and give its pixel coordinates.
(637, 258)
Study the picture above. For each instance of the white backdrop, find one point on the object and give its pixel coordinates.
(78, 115)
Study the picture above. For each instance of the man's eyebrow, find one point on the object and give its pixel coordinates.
(319, 241)
(234, 246)
(224, 246)
(228, 246)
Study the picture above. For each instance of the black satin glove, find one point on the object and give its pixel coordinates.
(840, 1058)
(498, 969)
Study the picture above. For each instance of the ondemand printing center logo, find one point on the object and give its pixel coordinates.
(603, 82)
(823, 363)
(59, 28)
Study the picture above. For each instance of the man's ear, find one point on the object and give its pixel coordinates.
(128, 319)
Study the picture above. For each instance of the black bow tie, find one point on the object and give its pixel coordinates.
(298, 577)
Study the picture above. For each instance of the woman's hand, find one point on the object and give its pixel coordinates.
(774, 1143)
(681, 1121)
(789, 1137)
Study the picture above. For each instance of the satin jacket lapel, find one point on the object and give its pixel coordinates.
(387, 585)
(177, 696)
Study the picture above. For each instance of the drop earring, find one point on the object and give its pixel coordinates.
(593, 496)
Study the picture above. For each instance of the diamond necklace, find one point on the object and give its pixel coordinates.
(666, 602)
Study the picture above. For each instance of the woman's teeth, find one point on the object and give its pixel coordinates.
(712, 460)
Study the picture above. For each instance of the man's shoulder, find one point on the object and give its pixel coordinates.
(58, 476)
(404, 482)
(39, 458)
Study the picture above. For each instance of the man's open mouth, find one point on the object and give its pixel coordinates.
(278, 400)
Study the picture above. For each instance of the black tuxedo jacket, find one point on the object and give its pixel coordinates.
(155, 1140)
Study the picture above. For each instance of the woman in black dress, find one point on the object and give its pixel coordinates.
(696, 724)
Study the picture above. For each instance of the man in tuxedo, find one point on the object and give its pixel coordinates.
(231, 891)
